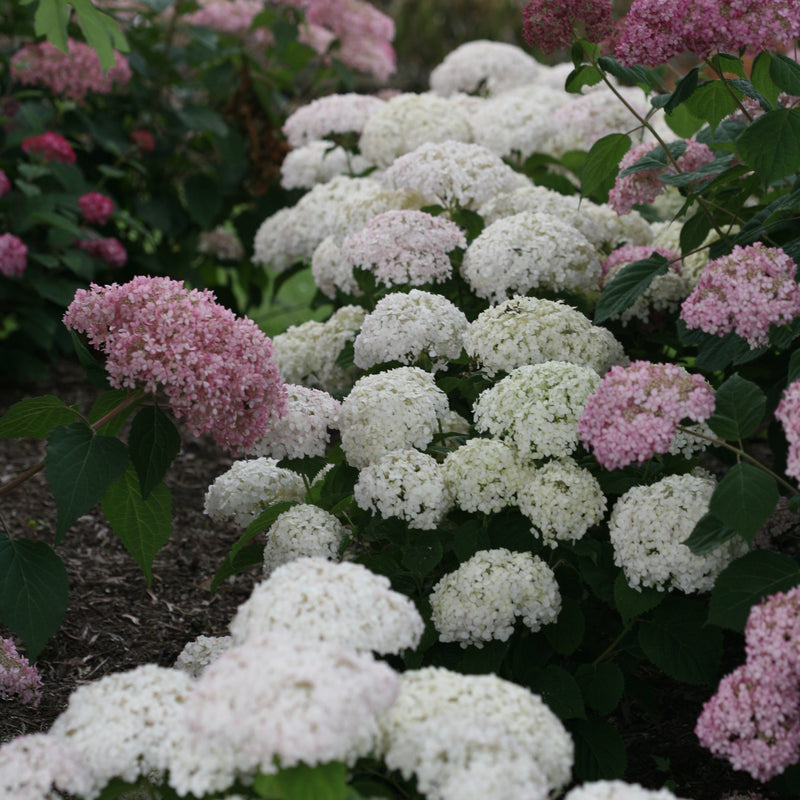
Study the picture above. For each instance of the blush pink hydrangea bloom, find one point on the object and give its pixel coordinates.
(772, 633)
(144, 140)
(109, 249)
(17, 675)
(13, 255)
(746, 292)
(218, 371)
(553, 24)
(639, 188)
(96, 207)
(788, 414)
(634, 412)
(5, 184)
(50, 146)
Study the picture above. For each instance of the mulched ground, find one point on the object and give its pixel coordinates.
(115, 621)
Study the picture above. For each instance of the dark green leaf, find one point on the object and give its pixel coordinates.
(421, 557)
(203, 199)
(626, 286)
(153, 444)
(560, 691)
(682, 122)
(602, 685)
(244, 558)
(321, 782)
(785, 73)
(202, 118)
(744, 500)
(683, 90)
(657, 158)
(262, 521)
(708, 534)
(739, 408)
(761, 78)
(35, 417)
(725, 62)
(631, 602)
(566, 633)
(694, 231)
(106, 403)
(771, 144)
(599, 750)
(33, 591)
(585, 75)
(794, 367)
(632, 74)
(95, 372)
(602, 163)
(712, 102)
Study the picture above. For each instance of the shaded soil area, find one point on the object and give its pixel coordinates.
(115, 621)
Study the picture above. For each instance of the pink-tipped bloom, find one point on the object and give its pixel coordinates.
(13, 255)
(772, 634)
(50, 146)
(5, 184)
(746, 292)
(96, 207)
(553, 24)
(635, 411)
(18, 677)
(788, 414)
(144, 140)
(109, 249)
(218, 371)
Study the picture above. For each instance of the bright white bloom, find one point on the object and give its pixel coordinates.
(330, 116)
(302, 531)
(687, 444)
(319, 162)
(453, 422)
(406, 326)
(200, 652)
(249, 487)
(280, 699)
(536, 408)
(408, 120)
(392, 410)
(483, 67)
(562, 501)
(530, 250)
(453, 173)
(482, 599)
(529, 330)
(306, 354)
(124, 725)
(478, 715)
(305, 429)
(320, 600)
(331, 271)
(617, 790)
(482, 475)
(648, 526)
(405, 484)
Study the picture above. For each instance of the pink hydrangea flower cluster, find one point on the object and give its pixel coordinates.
(96, 207)
(754, 718)
(553, 24)
(788, 414)
(17, 675)
(144, 140)
(644, 186)
(218, 371)
(51, 147)
(13, 255)
(71, 75)
(746, 291)
(109, 249)
(656, 30)
(634, 412)
(5, 184)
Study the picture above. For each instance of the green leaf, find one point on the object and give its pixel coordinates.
(746, 582)
(95, 372)
(80, 466)
(677, 642)
(101, 31)
(761, 78)
(143, 526)
(684, 89)
(708, 534)
(599, 750)
(694, 231)
(785, 73)
(244, 558)
(771, 144)
(201, 118)
(566, 633)
(631, 281)
(262, 521)
(630, 602)
(35, 417)
(739, 408)
(421, 557)
(633, 74)
(203, 199)
(794, 367)
(657, 158)
(744, 500)
(153, 444)
(711, 102)
(585, 75)
(50, 20)
(559, 690)
(33, 591)
(602, 164)
(321, 782)
(602, 685)
(682, 122)
(106, 403)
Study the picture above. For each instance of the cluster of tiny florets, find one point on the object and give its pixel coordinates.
(788, 414)
(18, 677)
(96, 207)
(554, 24)
(50, 146)
(13, 255)
(329, 117)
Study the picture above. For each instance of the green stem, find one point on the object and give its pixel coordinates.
(610, 649)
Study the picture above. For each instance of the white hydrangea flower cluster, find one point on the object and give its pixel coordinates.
(407, 325)
(319, 162)
(482, 599)
(536, 408)
(392, 410)
(331, 271)
(405, 484)
(530, 330)
(483, 66)
(302, 531)
(278, 699)
(328, 116)
(617, 790)
(322, 600)
(453, 174)
(408, 120)
(530, 250)
(125, 725)
(200, 652)
(648, 526)
(306, 354)
(562, 500)
(687, 444)
(305, 429)
(437, 706)
(482, 475)
(249, 487)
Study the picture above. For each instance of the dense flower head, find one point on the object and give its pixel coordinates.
(480, 601)
(648, 527)
(220, 243)
(249, 487)
(331, 271)
(553, 24)
(18, 677)
(636, 409)
(617, 790)
(530, 330)
(5, 184)
(108, 249)
(407, 327)
(217, 370)
(200, 652)
(330, 116)
(772, 633)
(144, 140)
(96, 207)
(320, 600)
(71, 75)
(746, 291)
(405, 484)
(319, 162)
(527, 251)
(788, 414)
(51, 147)
(13, 255)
